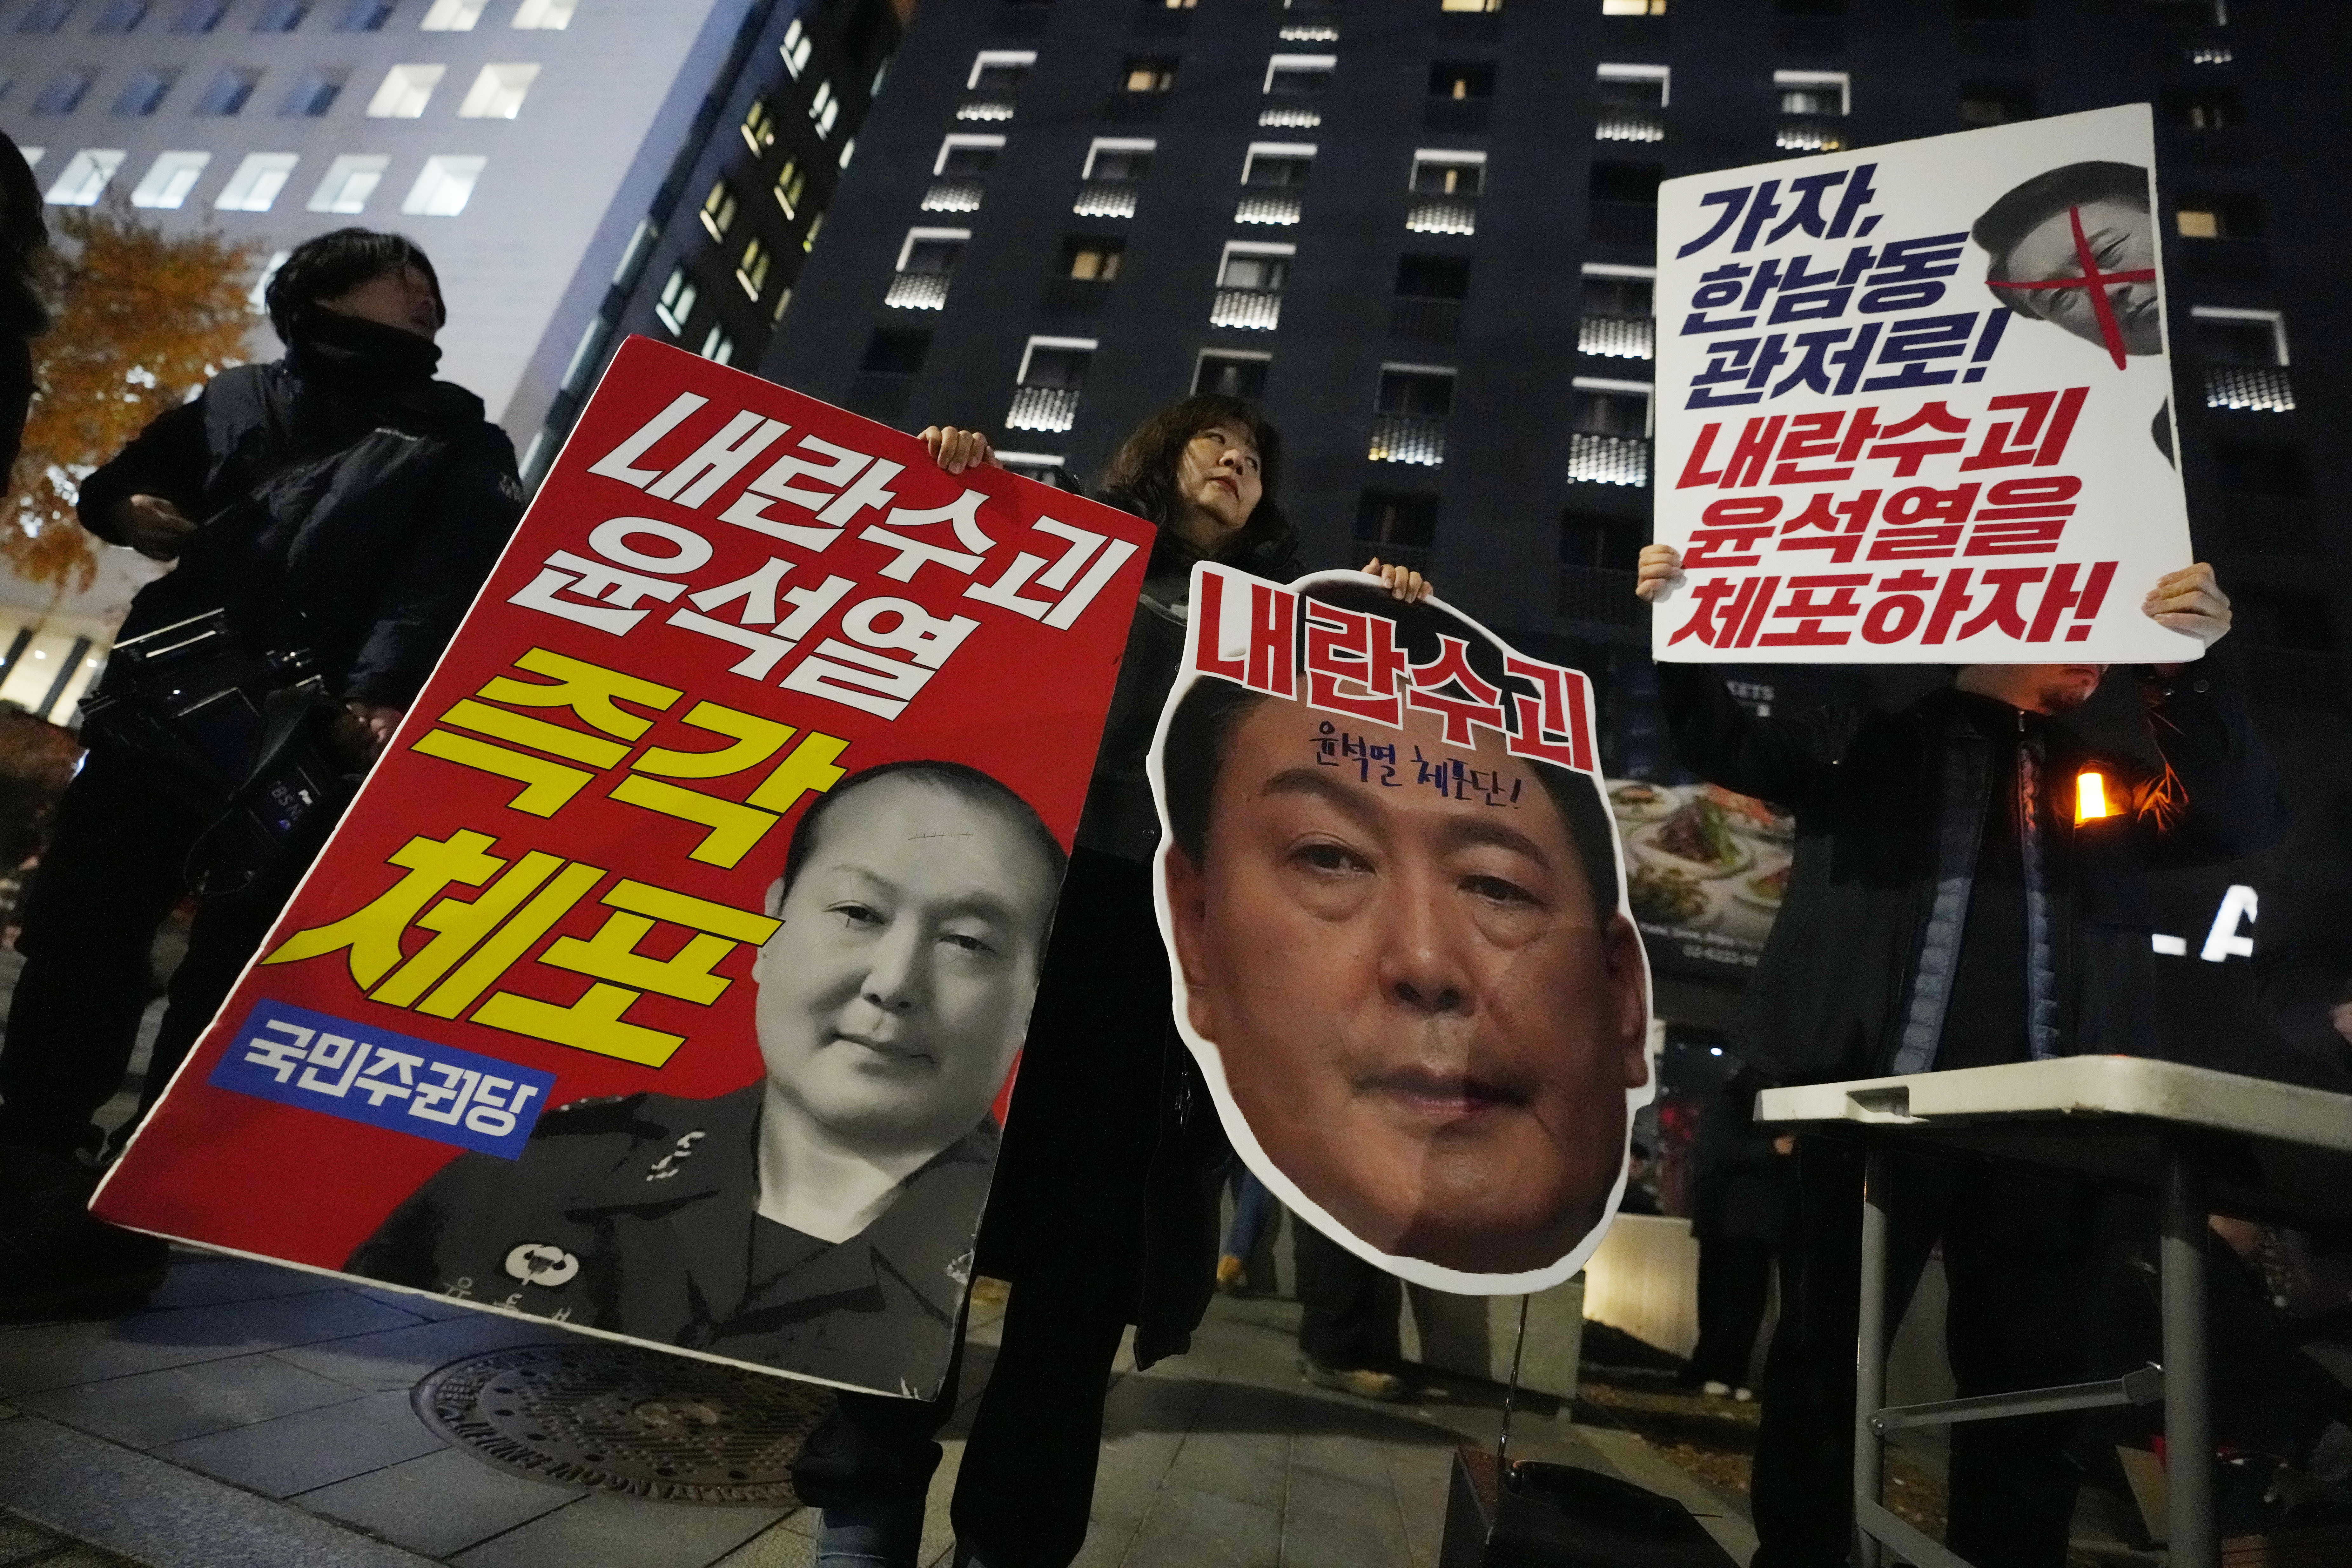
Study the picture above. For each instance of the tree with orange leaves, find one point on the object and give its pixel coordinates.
(143, 319)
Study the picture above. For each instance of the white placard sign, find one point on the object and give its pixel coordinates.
(1914, 402)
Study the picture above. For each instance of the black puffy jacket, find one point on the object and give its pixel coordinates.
(348, 503)
(1872, 794)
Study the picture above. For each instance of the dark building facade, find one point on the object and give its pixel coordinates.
(1420, 233)
(712, 264)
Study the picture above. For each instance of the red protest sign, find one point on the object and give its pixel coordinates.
(580, 1015)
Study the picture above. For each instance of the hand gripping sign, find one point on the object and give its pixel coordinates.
(1913, 402)
(667, 976)
(1394, 904)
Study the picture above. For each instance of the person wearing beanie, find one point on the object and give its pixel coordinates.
(340, 501)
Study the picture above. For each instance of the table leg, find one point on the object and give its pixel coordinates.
(1870, 1351)
(2187, 1418)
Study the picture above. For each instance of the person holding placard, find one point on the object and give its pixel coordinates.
(1970, 888)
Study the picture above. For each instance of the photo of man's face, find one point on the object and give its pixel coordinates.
(1421, 1014)
(2119, 238)
(896, 993)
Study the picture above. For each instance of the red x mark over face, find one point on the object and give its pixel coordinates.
(2110, 332)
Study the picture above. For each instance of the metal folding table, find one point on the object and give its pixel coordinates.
(2209, 1142)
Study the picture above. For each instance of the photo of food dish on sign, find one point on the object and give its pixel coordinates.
(1705, 872)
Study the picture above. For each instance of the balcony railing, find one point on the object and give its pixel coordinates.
(985, 106)
(954, 196)
(1258, 310)
(918, 292)
(2251, 388)
(1426, 320)
(1443, 214)
(1408, 438)
(1106, 198)
(1809, 136)
(1608, 459)
(1310, 33)
(1619, 123)
(1291, 116)
(1618, 337)
(1042, 408)
(1267, 207)
(1597, 593)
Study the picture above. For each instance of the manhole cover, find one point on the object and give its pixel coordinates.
(626, 1420)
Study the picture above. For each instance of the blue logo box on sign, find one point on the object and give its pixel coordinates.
(295, 1057)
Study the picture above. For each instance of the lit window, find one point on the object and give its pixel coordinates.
(551, 15)
(784, 303)
(143, 93)
(1469, 5)
(1093, 260)
(758, 127)
(405, 91)
(2213, 216)
(816, 221)
(170, 179)
(716, 346)
(677, 301)
(1264, 267)
(228, 92)
(796, 46)
(63, 94)
(445, 187)
(752, 271)
(351, 180)
(926, 261)
(281, 17)
(791, 184)
(1633, 7)
(1228, 373)
(824, 108)
(314, 92)
(1449, 174)
(120, 17)
(32, 155)
(365, 16)
(453, 15)
(85, 176)
(847, 148)
(1815, 92)
(257, 297)
(719, 210)
(257, 183)
(498, 92)
(1462, 82)
(1148, 74)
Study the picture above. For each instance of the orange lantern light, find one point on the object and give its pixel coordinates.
(2091, 796)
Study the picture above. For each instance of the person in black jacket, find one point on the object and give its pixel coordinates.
(339, 500)
(1947, 910)
(1103, 1211)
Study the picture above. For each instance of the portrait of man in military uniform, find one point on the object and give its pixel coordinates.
(820, 1220)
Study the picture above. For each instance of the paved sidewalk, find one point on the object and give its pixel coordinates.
(254, 1415)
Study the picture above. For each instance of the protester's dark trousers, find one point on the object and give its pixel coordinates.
(1735, 1278)
(2016, 1246)
(1027, 1487)
(1350, 1320)
(112, 875)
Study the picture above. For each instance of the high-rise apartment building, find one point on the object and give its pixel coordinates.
(545, 154)
(1420, 233)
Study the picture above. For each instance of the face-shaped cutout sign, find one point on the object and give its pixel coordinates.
(1393, 895)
